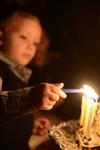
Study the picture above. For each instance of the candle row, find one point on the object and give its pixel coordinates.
(88, 109)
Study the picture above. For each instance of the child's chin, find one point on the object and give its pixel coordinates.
(24, 63)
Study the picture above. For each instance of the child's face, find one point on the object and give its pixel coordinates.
(21, 40)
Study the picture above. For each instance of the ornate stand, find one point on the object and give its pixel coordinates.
(69, 136)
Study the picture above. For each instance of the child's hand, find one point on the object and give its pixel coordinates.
(41, 126)
(46, 95)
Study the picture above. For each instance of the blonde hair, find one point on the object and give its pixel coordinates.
(13, 19)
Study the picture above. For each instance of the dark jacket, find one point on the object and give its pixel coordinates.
(15, 108)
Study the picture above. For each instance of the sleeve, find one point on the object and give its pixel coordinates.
(1, 81)
(16, 102)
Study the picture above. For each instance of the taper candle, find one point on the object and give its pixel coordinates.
(83, 109)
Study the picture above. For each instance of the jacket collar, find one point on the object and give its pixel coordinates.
(21, 72)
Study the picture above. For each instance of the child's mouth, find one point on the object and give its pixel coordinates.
(27, 56)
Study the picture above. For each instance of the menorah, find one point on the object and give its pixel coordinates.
(82, 134)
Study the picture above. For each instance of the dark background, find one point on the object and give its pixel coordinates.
(73, 28)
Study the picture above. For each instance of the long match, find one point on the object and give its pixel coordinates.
(72, 90)
(90, 93)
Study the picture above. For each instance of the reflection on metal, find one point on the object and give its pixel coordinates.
(82, 134)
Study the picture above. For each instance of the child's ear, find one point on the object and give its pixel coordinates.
(1, 38)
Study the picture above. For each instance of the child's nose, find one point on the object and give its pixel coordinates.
(30, 46)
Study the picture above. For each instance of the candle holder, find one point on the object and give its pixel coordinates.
(93, 140)
(67, 136)
(88, 134)
(82, 134)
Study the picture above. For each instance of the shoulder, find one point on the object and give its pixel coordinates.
(4, 70)
(3, 66)
(2, 63)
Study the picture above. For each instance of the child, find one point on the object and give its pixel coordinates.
(20, 35)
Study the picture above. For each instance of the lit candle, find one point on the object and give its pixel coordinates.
(87, 115)
(94, 110)
(83, 110)
(99, 119)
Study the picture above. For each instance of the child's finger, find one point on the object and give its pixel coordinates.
(59, 85)
(58, 91)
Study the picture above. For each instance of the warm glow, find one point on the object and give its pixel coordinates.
(88, 91)
(88, 109)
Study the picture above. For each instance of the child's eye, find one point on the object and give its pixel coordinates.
(23, 37)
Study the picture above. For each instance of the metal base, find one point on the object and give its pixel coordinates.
(67, 136)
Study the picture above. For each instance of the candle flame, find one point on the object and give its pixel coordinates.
(87, 90)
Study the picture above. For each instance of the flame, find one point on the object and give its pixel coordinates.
(87, 90)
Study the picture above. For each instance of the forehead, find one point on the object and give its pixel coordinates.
(28, 24)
